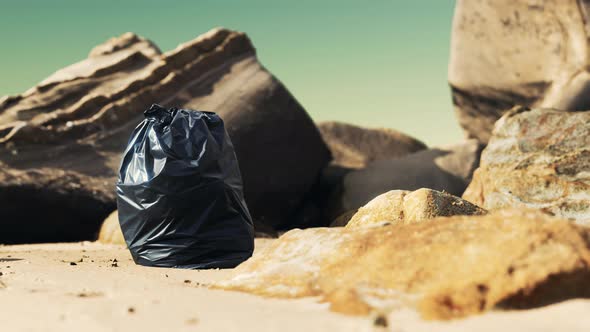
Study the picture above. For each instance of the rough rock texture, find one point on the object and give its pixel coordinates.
(110, 231)
(448, 267)
(444, 169)
(355, 147)
(401, 206)
(506, 53)
(59, 146)
(74, 125)
(538, 159)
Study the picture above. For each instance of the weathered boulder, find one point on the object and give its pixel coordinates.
(75, 124)
(402, 206)
(354, 147)
(110, 231)
(537, 159)
(58, 159)
(446, 169)
(506, 53)
(448, 267)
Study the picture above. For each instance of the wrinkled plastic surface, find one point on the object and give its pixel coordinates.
(179, 193)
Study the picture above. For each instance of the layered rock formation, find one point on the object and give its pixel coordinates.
(355, 147)
(60, 141)
(59, 148)
(448, 267)
(446, 169)
(404, 207)
(506, 53)
(538, 159)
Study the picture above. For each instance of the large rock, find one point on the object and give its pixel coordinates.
(58, 152)
(402, 206)
(446, 169)
(60, 141)
(447, 267)
(355, 147)
(538, 159)
(505, 53)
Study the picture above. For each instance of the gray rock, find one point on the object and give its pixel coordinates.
(446, 169)
(355, 147)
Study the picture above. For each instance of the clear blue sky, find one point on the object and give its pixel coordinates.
(375, 63)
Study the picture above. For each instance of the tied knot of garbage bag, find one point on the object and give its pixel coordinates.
(157, 112)
(179, 193)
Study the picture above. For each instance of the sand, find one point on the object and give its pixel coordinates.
(78, 287)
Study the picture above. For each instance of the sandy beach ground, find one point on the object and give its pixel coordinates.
(80, 287)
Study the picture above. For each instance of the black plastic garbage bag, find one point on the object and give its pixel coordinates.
(179, 193)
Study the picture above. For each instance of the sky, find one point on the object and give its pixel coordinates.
(378, 63)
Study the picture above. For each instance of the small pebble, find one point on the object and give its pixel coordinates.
(380, 321)
(192, 321)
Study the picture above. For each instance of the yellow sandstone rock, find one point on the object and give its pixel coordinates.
(401, 206)
(449, 267)
(110, 231)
